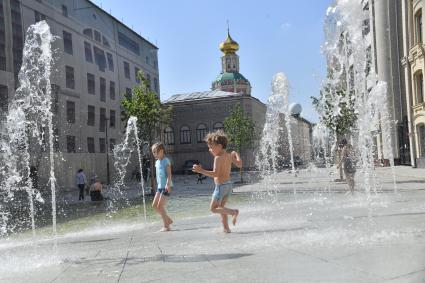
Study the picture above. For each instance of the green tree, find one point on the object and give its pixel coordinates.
(151, 114)
(336, 110)
(240, 130)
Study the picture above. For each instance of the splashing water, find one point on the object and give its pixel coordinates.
(273, 148)
(352, 73)
(122, 155)
(28, 128)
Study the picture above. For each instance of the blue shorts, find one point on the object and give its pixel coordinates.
(222, 191)
(163, 192)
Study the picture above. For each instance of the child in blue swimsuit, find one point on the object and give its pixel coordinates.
(164, 184)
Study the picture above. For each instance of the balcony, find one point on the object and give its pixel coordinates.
(418, 108)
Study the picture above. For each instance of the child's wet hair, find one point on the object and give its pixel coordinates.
(217, 137)
(157, 147)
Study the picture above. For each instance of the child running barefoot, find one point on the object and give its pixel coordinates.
(163, 178)
(217, 143)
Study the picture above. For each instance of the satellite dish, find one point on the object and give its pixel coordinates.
(295, 109)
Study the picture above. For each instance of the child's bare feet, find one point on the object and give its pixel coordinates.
(227, 230)
(235, 216)
(165, 229)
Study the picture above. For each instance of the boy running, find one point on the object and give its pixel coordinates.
(217, 143)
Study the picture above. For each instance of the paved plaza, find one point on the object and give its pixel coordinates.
(290, 229)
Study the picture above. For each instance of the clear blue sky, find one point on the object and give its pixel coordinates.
(273, 35)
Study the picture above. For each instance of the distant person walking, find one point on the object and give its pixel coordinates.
(347, 164)
(81, 181)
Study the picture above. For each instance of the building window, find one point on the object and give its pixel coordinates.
(366, 27)
(148, 78)
(64, 11)
(128, 43)
(102, 89)
(169, 136)
(419, 78)
(4, 98)
(105, 42)
(128, 93)
(55, 99)
(112, 90)
(70, 112)
(69, 74)
(112, 118)
(201, 132)
(88, 32)
(185, 135)
(418, 26)
(88, 52)
(368, 60)
(112, 144)
(421, 133)
(218, 126)
(155, 85)
(99, 58)
(70, 143)
(67, 42)
(102, 145)
(147, 60)
(102, 119)
(90, 145)
(110, 61)
(127, 70)
(97, 36)
(39, 17)
(91, 114)
(136, 71)
(91, 85)
(56, 140)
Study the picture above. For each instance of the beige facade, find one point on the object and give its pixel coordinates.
(414, 67)
(96, 61)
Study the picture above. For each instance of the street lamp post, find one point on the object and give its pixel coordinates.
(108, 179)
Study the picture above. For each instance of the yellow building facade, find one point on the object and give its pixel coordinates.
(414, 67)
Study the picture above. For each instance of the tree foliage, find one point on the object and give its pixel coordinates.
(239, 129)
(151, 115)
(146, 106)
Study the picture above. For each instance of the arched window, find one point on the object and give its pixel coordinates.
(201, 131)
(218, 126)
(168, 136)
(88, 32)
(105, 41)
(419, 87)
(185, 135)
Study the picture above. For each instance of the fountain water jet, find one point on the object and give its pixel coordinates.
(122, 155)
(352, 82)
(29, 121)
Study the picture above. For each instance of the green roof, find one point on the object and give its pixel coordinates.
(234, 76)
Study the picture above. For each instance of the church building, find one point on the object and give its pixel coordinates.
(195, 114)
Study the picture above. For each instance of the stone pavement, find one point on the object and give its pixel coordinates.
(298, 229)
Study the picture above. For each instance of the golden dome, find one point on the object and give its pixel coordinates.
(229, 46)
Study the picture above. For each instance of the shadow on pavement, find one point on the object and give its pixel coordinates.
(160, 258)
